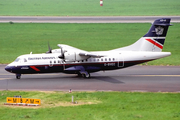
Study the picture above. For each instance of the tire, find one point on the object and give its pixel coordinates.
(79, 75)
(86, 75)
(18, 77)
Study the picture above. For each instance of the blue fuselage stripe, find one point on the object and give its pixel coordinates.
(89, 67)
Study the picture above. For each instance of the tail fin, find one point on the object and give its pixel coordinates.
(154, 39)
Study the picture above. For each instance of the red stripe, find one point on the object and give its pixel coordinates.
(158, 45)
(155, 43)
(33, 67)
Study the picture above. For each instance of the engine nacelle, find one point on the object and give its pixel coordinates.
(71, 56)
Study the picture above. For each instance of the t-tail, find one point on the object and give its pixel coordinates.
(154, 39)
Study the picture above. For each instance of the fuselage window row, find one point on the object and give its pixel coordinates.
(87, 60)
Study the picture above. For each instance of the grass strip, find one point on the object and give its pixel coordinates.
(89, 8)
(104, 105)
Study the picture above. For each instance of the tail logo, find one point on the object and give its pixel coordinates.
(159, 30)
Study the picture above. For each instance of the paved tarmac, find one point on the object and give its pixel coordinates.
(136, 78)
(84, 19)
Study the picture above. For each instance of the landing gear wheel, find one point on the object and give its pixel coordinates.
(86, 75)
(79, 75)
(18, 76)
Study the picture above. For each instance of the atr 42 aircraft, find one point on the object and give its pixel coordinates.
(68, 59)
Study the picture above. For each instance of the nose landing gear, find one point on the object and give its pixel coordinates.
(18, 76)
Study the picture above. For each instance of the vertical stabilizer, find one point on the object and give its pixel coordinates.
(153, 40)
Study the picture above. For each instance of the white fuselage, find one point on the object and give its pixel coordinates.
(44, 63)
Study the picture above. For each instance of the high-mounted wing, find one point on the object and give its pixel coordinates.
(71, 54)
(67, 47)
(90, 55)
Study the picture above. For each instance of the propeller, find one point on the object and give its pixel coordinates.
(62, 53)
(50, 50)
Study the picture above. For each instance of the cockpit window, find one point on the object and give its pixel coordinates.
(17, 60)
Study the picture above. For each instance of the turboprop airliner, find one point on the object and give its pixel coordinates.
(71, 60)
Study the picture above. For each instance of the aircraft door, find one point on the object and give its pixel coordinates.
(120, 60)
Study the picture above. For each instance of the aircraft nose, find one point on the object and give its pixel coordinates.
(8, 68)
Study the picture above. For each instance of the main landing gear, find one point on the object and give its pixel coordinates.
(18, 76)
(84, 74)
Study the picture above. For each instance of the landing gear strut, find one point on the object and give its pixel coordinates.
(18, 76)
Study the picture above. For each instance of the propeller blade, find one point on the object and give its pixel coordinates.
(50, 50)
(62, 53)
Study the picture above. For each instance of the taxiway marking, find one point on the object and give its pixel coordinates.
(157, 75)
(5, 78)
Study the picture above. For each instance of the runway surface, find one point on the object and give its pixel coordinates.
(84, 19)
(136, 78)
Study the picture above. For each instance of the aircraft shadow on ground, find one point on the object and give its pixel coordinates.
(107, 79)
(70, 78)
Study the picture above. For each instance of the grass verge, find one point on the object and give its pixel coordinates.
(17, 39)
(104, 105)
(89, 8)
